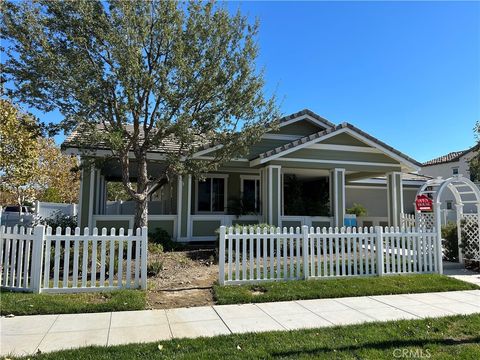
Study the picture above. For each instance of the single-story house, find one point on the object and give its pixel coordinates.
(307, 172)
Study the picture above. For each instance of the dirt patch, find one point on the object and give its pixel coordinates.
(185, 279)
(257, 290)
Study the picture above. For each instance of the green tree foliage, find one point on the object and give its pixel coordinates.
(19, 133)
(32, 167)
(139, 75)
(474, 163)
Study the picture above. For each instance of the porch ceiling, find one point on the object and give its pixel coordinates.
(112, 170)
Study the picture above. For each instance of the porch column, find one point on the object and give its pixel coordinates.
(271, 194)
(337, 196)
(394, 198)
(86, 198)
(184, 196)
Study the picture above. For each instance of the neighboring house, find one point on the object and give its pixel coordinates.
(446, 166)
(305, 173)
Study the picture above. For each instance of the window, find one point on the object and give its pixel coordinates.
(449, 205)
(455, 171)
(211, 194)
(251, 193)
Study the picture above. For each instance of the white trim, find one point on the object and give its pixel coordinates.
(225, 190)
(334, 147)
(376, 187)
(270, 199)
(388, 200)
(206, 151)
(108, 153)
(259, 161)
(281, 137)
(308, 118)
(211, 158)
(189, 205)
(91, 198)
(339, 162)
(179, 205)
(351, 132)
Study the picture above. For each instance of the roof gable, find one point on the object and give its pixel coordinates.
(344, 137)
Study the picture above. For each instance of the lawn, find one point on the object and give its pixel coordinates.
(340, 287)
(17, 303)
(456, 337)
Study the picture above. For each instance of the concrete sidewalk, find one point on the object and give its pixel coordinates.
(26, 334)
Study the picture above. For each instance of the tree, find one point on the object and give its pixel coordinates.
(58, 178)
(18, 152)
(474, 163)
(137, 75)
(32, 167)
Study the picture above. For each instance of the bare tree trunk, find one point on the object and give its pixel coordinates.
(141, 213)
(141, 203)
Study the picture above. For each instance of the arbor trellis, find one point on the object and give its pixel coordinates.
(468, 224)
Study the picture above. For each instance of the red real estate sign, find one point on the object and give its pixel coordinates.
(423, 203)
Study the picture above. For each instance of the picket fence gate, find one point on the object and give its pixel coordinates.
(60, 262)
(251, 255)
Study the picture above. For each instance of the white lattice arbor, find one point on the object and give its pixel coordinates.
(464, 192)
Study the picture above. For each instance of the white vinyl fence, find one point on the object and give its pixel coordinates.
(43, 261)
(251, 255)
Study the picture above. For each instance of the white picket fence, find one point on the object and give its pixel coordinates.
(43, 261)
(252, 255)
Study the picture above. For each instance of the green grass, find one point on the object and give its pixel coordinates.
(340, 287)
(33, 304)
(456, 337)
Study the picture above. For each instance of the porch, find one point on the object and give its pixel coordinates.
(191, 209)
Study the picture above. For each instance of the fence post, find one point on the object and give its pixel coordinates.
(143, 255)
(379, 249)
(37, 258)
(306, 274)
(221, 257)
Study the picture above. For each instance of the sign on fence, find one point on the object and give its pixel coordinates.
(45, 261)
(252, 255)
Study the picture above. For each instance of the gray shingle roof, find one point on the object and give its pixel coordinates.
(305, 112)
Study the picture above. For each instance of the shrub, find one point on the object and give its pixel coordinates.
(154, 248)
(154, 268)
(450, 242)
(59, 219)
(357, 209)
(163, 238)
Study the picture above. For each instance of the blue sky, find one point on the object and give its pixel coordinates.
(405, 72)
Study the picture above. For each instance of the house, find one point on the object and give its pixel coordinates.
(446, 166)
(307, 172)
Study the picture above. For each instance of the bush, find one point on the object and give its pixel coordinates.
(59, 219)
(154, 248)
(154, 268)
(357, 209)
(163, 238)
(450, 242)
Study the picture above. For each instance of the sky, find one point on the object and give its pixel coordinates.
(408, 73)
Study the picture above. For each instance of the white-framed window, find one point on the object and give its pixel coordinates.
(455, 171)
(449, 204)
(250, 192)
(211, 194)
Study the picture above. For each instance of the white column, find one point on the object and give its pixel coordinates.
(459, 208)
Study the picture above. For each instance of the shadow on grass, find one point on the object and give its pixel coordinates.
(384, 345)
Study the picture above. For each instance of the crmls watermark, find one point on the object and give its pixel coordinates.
(412, 354)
